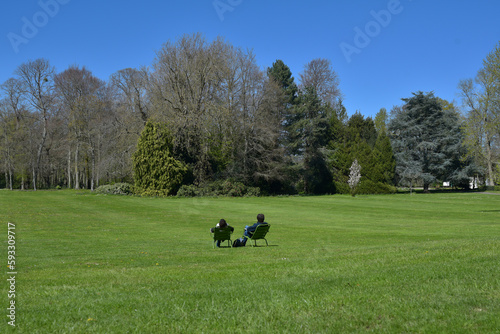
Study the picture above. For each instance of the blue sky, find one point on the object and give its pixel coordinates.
(382, 50)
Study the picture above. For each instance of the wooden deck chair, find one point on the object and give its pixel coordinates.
(222, 234)
(260, 233)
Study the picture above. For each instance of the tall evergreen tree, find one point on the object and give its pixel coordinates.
(373, 153)
(384, 161)
(309, 134)
(360, 140)
(338, 154)
(381, 121)
(156, 171)
(364, 128)
(282, 75)
(425, 139)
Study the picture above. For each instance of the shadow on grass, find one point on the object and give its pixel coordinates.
(446, 191)
(263, 246)
(258, 246)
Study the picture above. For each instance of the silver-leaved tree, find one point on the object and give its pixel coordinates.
(427, 142)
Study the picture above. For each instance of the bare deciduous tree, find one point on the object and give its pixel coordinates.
(185, 85)
(37, 86)
(482, 121)
(481, 100)
(133, 84)
(319, 74)
(83, 98)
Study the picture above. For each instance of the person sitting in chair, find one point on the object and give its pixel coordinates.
(222, 225)
(249, 230)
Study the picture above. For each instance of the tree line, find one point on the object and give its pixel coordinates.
(204, 112)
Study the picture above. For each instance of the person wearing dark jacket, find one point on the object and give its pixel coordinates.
(249, 230)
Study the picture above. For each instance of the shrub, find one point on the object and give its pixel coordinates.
(366, 187)
(253, 192)
(342, 188)
(188, 191)
(370, 187)
(236, 189)
(115, 189)
(218, 188)
(152, 193)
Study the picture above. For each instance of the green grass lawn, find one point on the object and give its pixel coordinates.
(421, 263)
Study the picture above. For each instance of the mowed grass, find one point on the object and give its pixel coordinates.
(422, 263)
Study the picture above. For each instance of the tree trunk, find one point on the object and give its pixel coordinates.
(490, 181)
(77, 176)
(34, 178)
(92, 174)
(68, 177)
(36, 169)
(86, 173)
(98, 160)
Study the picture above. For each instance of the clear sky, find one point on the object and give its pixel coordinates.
(382, 50)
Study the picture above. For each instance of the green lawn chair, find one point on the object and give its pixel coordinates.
(260, 233)
(222, 234)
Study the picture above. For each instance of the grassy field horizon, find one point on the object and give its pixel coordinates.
(421, 263)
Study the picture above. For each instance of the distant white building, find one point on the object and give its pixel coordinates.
(474, 183)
